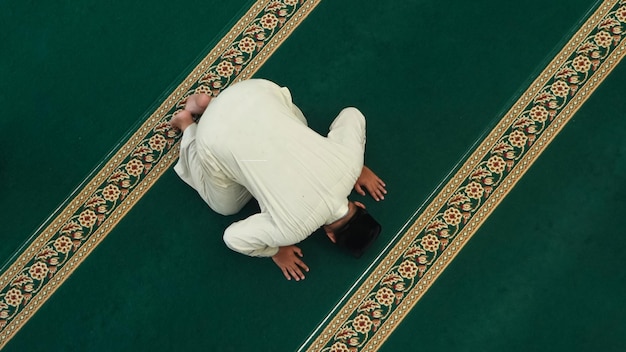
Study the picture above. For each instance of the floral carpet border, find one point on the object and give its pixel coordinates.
(393, 288)
(84, 222)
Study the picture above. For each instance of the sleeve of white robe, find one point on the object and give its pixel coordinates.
(256, 236)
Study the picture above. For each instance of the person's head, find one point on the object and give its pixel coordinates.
(356, 231)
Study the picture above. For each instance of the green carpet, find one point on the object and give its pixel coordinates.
(543, 273)
(432, 81)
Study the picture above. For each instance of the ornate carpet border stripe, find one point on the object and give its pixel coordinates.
(86, 220)
(393, 288)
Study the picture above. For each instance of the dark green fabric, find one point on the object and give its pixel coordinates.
(544, 273)
(76, 77)
(430, 78)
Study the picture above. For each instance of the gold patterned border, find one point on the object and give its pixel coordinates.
(408, 270)
(105, 199)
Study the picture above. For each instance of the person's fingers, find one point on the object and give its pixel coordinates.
(382, 186)
(299, 272)
(302, 265)
(286, 273)
(298, 251)
(332, 237)
(373, 192)
(295, 272)
(380, 189)
(359, 189)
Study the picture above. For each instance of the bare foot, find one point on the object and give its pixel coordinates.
(197, 103)
(182, 120)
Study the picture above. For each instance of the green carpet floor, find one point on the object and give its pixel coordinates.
(544, 272)
(431, 79)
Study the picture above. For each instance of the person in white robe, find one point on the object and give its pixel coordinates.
(252, 141)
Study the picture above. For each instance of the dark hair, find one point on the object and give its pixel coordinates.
(358, 233)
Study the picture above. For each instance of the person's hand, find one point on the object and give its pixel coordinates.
(372, 183)
(288, 260)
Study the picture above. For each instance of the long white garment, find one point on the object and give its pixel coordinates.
(253, 141)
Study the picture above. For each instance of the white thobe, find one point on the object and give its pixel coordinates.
(252, 141)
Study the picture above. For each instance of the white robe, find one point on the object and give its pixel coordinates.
(252, 141)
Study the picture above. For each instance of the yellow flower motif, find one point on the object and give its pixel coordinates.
(38, 271)
(14, 297)
(111, 193)
(603, 39)
(202, 89)
(407, 269)
(269, 21)
(362, 324)
(247, 45)
(63, 244)
(87, 218)
(339, 347)
(621, 14)
(560, 89)
(474, 190)
(581, 63)
(538, 113)
(134, 167)
(385, 296)
(518, 139)
(225, 69)
(157, 142)
(430, 242)
(452, 216)
(496, 164)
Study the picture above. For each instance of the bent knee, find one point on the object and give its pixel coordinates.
(225, 208)
(353, 112)
(233, 241)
